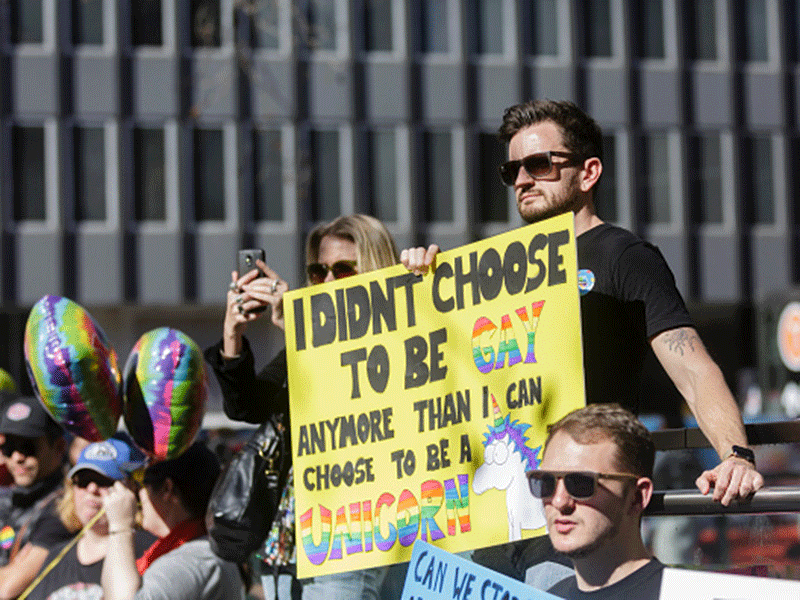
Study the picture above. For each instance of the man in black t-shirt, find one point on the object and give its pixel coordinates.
(628, 295)
(629, 300)
(34, 450)
(595, 479)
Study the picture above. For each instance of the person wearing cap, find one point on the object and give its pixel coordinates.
(8, 392)
(76, 573)
(180, 564)
(34, 450)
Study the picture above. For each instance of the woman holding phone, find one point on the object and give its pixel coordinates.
(347, 246)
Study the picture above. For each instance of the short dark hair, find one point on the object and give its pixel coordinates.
(193, 474)
(597, 422)
(582, 135)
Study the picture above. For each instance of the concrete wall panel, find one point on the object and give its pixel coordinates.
(100, 269)
(40, 266)
(96, 85)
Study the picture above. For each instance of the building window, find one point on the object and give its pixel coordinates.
(322, 24)
(701, 35)
(434, 26)
(268, 175)
(650, 33)
(382, 174)
(597, 28)
(209, 181)
(29, 181)
(541, 30)
(655, 178)
(87, 22)
(488, 16)
(146, 23)
(378, 25)
(262, 20)
(148, 174)
(705, 179)
(205, 23)
(26, 22)
(438, 160)
(605, 196)
(758, 180)
(493, 195)
(325, 185)
(754, 30)
(90, 174)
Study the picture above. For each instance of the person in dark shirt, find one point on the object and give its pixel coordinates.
(34, 449)
(629, 300)
(630, 304)
(77, 571)
(595, 480)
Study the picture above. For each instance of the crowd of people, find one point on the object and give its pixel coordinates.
(142, 533)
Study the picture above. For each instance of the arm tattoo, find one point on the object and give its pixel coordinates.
(682, 340)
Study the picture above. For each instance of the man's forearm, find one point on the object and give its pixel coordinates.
(700, 382)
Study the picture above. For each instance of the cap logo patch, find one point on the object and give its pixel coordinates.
(19, 411)
(101, 451)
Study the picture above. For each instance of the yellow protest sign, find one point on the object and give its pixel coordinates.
(418, 403)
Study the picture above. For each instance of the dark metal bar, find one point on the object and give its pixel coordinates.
(779, 432)
(692, 502)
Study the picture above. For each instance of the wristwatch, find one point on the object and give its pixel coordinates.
(742, 452)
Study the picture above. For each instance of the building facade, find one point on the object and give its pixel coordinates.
(144, 142)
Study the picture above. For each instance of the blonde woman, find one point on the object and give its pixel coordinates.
(77, 573)
(344, 247)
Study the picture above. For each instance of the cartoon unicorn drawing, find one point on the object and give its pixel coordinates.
(505, 460)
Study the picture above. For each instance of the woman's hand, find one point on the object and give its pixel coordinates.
(120, 506)
(246, 295)
(263, 292)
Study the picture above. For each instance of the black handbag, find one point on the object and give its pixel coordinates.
(246, 496)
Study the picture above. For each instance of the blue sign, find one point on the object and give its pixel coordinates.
(434, 574)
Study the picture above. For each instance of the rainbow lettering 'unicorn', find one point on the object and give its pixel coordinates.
(506, 458)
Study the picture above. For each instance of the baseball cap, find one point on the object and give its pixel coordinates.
(26, 417)
(116, 458)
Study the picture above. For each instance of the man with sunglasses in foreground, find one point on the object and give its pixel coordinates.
(595, 480)
(34, 449)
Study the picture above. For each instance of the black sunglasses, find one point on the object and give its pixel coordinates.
(83, 478)
(537, 165)
(579, 484)
(23, 445)
(317, 272)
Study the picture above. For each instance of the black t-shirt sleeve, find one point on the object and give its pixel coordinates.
(247, 396)
(643, 276)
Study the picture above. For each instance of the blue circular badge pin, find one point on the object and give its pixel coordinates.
(585, 281)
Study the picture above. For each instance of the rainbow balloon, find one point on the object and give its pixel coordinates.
(165, 392)
(72, 368)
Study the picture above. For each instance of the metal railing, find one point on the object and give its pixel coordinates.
(691, 502)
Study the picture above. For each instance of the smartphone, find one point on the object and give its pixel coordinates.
(247, 262)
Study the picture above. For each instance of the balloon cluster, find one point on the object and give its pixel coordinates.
(74, 373)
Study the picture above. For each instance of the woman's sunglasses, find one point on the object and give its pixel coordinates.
(537, 165)
(579, 484)
(83, 478)
(317, 272)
